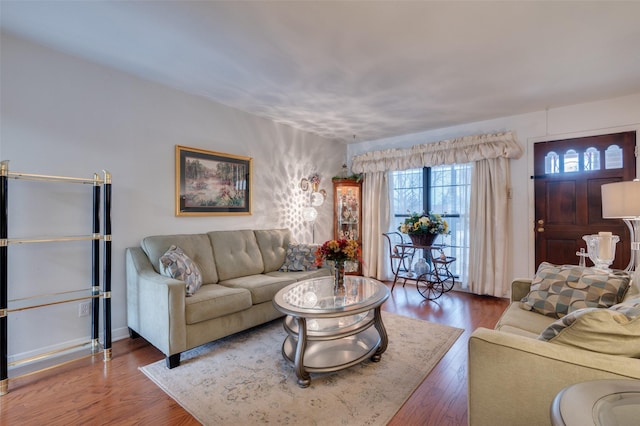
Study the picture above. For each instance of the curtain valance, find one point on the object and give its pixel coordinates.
(449, 151)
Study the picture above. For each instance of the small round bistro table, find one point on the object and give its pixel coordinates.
(327, 332)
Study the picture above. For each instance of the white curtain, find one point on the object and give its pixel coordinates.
(488, 228)
(450, 151)
(488, 234)
(375, 221)
(462, 228)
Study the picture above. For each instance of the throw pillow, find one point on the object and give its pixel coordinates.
(300, 257)
(176, 264)
(558, 290)
(614, 331)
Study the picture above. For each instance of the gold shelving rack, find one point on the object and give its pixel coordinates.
(41, 362)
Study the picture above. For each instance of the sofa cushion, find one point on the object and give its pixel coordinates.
(524, 323)
(263, 287)
(630, 308)
(559, 290)
(614, 331)
(175, 264)
(300, 257)
(196, 246)
(273, 245)
(301, 275)
(236, 254)
(213, 301)
(634, 289)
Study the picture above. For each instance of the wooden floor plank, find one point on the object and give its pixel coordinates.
(92, 392)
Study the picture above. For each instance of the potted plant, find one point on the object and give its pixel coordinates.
(424, 228)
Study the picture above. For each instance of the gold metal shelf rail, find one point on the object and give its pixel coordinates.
(96, 180)
(6, 241)
(42, 300)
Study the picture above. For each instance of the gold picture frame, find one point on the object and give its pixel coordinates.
(212, 183)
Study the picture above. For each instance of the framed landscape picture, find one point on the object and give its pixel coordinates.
(212, 183)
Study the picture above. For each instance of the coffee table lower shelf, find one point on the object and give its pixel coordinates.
(321, 356)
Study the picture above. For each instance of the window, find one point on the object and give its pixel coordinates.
(613, 157)
(440, 189)
(552, 163)
(570, 161)
(591, 159)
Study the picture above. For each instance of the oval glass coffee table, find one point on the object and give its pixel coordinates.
(329, 333)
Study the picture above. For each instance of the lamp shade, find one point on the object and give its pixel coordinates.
(317, 199)
(621, 200)
(309, 214)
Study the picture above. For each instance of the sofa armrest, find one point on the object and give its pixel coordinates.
(519, 288)
(155, 304)
(513, 379)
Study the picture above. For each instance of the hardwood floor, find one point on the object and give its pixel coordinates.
(91, 392)
(441, 399)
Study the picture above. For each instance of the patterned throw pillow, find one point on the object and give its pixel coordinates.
(614, 331)
(300, 257)
(176, 264)
(559, 290)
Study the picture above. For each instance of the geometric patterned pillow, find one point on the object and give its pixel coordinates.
(300, 257)
(558, 290)
(174, 263)
(614, 331)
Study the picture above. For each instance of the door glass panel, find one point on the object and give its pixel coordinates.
(591, 159)
(571, 161)
(551, 163)
(613, 157)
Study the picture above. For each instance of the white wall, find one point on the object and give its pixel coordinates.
(607, 116)
(65, 116)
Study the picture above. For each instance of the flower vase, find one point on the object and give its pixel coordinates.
(338, 279)
(423, 239)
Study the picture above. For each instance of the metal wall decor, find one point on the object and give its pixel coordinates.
(312, 184)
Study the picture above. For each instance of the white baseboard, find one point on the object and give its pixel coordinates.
(117, 334)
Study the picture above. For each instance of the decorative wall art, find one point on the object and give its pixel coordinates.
(212, 183)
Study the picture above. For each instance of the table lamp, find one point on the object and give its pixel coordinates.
(621, 200)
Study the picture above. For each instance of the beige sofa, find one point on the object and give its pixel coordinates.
(513, 377)
(240, 274)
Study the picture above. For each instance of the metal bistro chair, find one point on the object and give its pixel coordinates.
(401, 257)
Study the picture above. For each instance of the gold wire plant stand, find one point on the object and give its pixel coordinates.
(436, 280)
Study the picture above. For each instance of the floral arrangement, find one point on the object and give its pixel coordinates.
(421, 224)
(338, 250)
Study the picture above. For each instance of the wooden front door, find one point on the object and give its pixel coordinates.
(568, 202)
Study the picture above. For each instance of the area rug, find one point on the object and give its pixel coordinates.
(243, 379)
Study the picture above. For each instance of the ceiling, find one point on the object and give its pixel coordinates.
(356, 70)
